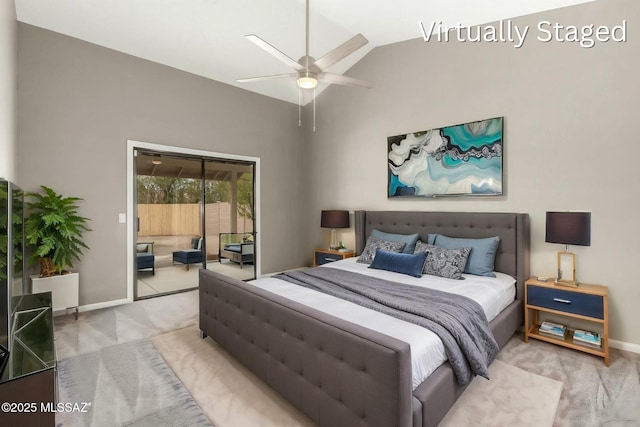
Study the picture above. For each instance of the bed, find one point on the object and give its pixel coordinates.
(341, 373)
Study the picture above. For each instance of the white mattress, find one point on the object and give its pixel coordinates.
(427, 350)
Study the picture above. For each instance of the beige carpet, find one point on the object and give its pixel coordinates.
(229, 395)
(513, 397)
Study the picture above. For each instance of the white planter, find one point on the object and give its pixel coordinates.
(64, 290)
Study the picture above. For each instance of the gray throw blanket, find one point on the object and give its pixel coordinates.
(458, 321)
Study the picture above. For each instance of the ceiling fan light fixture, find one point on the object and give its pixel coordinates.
(307, 80)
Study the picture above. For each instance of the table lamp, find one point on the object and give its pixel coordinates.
(568, 228)
(334, 219)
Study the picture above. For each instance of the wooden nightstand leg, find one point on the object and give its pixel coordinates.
(605, 329)
(526, 325)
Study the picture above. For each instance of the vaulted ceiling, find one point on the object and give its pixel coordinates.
(207, 37)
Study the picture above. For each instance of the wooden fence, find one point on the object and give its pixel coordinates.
(184, 219)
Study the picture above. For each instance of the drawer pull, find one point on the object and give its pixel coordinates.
(330, 259)
(564, 301)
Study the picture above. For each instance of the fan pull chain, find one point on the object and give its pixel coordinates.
(314, 109)
(299, 107)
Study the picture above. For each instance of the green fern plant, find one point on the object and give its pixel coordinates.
(54, 229)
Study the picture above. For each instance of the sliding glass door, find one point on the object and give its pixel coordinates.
(229, 217)
(192, 213)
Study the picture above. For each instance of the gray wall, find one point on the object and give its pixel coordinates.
(8, 86)
(571, 137)
(78, 104)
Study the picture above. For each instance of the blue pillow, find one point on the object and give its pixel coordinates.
(408, 239)
(482, 256)
(411, 264)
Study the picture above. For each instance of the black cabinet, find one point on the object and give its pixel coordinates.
(11, 257)
(28, 382)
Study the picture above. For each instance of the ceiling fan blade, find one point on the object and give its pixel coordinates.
(274, 77)
(342, 51)
(339, 79)
(274, 52)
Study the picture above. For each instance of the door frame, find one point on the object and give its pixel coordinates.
(132, 145)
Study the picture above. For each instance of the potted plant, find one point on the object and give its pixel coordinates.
(54, 230)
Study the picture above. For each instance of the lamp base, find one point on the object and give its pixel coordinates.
(566, 269)
(561, 282)
(334, 240)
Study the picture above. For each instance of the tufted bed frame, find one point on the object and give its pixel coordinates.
(341, 374)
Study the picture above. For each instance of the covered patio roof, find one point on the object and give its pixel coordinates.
(166, 165)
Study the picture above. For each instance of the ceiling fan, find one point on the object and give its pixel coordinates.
(308, 70)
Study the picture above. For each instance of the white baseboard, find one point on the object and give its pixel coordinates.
(96, 306)
(625, 346)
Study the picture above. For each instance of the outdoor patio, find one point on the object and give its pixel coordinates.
(173, 278)
(177, 278)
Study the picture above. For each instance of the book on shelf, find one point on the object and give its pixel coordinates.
(553, 334)
(553, 329)
(590, 344)
(586, 341)
(591, 340)
(550, 325)
(586, 336)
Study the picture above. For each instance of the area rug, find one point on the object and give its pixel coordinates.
(124, 385)
(512, 397)
(230, 395)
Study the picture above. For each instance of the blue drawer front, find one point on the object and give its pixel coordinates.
(569, 302)
(323, 258)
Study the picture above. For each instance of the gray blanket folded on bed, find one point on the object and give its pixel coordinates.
(458, 321)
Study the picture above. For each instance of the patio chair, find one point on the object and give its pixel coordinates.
(190, 256)
(145, 257)
(241, 253)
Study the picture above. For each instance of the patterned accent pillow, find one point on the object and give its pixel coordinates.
(409, 239)
(448, 263)
(374, 243)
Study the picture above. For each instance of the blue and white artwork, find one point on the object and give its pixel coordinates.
(455, 160)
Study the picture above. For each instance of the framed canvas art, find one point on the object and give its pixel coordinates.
(455, 160)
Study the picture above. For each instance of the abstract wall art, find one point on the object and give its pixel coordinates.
(455, 160)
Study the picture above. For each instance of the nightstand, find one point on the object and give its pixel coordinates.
(323, 256)
(586, 302)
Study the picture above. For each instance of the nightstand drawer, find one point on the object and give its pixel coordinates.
(323, 258)
(566, 301)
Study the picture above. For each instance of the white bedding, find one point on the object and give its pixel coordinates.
(427, 350)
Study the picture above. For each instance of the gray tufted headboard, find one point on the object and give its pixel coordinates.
(513, 228)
